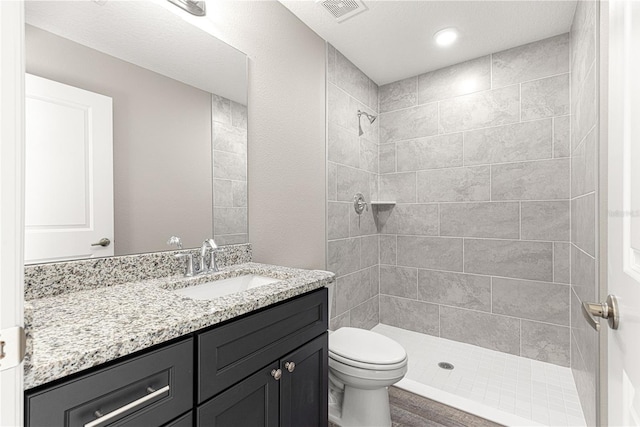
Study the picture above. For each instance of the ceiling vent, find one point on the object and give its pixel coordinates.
(343, 9)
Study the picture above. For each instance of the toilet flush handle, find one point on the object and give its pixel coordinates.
(291, 366)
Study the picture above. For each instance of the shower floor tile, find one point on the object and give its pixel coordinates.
(501, 387)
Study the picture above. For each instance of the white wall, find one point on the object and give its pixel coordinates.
(286, 129)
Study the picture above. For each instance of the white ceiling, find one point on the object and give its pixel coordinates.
(393, 40)
(151, 34)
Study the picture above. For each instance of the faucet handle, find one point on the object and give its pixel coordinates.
(188, 272)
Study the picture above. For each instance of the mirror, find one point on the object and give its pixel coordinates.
(136, 120)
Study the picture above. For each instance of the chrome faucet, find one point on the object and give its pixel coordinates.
(211, 266)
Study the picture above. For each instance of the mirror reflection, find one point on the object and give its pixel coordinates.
(136, 130)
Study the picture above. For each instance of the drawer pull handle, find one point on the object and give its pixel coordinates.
(126, 407)
(290, 366)
(276, 373)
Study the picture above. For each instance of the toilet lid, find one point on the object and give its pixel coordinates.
(365, 346)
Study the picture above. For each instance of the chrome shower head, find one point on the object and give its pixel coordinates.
(369, 117)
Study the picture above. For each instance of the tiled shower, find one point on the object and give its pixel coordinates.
(491, 164)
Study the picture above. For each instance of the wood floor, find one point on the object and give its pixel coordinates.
(411, 410)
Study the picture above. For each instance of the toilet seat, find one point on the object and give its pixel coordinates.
(365, 349)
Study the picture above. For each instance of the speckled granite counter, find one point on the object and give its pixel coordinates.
(73, 331)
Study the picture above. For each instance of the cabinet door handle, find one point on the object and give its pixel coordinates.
(126, 407)
(291, 366)
(276, 373)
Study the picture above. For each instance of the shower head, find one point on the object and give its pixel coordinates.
(369, 117)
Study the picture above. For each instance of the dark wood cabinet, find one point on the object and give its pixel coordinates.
(268, 368)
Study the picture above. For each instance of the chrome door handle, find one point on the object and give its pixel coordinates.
(127, 407)
(104, 242)
(607, 310)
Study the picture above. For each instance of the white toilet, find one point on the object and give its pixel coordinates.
(362, 365)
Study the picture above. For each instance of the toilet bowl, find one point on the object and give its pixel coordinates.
(362, 365)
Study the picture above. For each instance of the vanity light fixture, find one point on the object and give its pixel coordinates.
(446, 37)
(197, 8)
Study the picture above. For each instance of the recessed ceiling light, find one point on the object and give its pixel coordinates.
(446, 37)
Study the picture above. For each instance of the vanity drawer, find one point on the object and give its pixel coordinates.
(148, 390)
(232, 352)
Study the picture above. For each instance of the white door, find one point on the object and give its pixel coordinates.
(623, 394)
(68, 172)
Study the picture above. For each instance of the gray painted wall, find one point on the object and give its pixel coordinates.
(287, 154)
(160, 127)
(584, 172)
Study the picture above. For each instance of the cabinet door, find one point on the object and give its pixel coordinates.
(304, 390)
(252, 402)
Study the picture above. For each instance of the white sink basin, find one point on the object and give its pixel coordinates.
(222, 287)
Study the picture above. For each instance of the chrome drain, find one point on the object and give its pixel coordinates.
(445, 365)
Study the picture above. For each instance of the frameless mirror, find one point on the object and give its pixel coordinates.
(136, 130)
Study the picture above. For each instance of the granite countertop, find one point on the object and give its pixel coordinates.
(71, 332)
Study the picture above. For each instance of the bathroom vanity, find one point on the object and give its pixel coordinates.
(256, 357)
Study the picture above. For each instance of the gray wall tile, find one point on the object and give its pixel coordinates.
(584, 108)
(456, 289)
(239, 115)
(459, 79)
(339, 110)
(398, 95)
(438, 253)
(442, 151)
(331, 63)
(239, 189)
(583, 223)
(548, 97)
(454, 185)
(368, 251)
(516, 142)
(547, 343)
(399, 281)
(415, 219)
(535, 60)
(409, 314)
(332, 181)
(584, 167)
(231, 239)
(368, 155)
(228, 138)
(365, 315)
(343, 146)
(374, 96)
(414, 122)
(388, 249)
(540, 180)
(362, 225)
(340, 321)
(352, 181)
(562, 262)
(338, 220)
(222, 193)
(545, 302)
(351, 79)
(583, 274)
(493, 219)
(485, 330)
(343, 256)
(508, 258)
(229, 166)
(546, 221)
(229, 220)
(483, 109)
(220, 109)
(562, 136)
(352, 290)
(583, 39)
(387, 158)
(399, 187)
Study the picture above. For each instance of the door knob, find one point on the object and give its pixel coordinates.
(607, 310)
(104, 242)
(290, 366)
